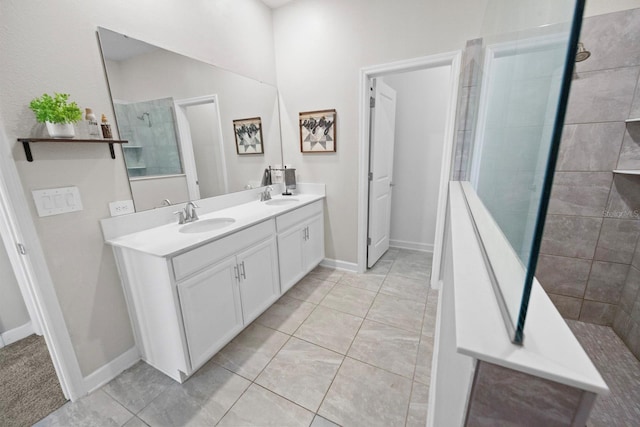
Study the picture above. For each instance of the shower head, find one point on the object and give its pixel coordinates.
(582, 53)
(141, 117)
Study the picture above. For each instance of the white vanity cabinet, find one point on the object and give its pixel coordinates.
(300, 243)
(187, 307)
(217, 303)
(188, 295)
(211, 310)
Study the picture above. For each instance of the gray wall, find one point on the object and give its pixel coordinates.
(593, 220)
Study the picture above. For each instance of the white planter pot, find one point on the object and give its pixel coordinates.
(61, 130)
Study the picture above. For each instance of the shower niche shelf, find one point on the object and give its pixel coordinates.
(627, 171)
(632, 120)
(26, 144)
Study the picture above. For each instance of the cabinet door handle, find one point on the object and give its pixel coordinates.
(308, 237)
(244, 274)
(235, 270)
(304, 233)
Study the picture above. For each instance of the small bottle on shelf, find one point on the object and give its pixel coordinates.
(106, 128)
(92, 123)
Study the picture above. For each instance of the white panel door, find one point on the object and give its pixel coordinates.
(383, 119)
(210, 304)
(259, 280)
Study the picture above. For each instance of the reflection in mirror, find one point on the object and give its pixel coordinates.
(177, 114)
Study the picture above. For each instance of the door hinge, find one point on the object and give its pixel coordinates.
(370, 176)
(368, 241)
(21, 248)
(372, 102)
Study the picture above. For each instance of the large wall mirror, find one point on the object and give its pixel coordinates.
(194, 130)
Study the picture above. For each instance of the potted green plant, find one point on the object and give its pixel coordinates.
(58, 114)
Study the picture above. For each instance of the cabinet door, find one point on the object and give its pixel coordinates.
(259, 281)
(314, 243)
(211, 310)
(291, 260)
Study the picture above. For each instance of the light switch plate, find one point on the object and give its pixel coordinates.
(56, 201)
(121, 207)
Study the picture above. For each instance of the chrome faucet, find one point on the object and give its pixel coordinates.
(188, 214)
(266, 194)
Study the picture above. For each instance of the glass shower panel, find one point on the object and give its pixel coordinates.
(529, 49)
(522, 92)
(150, 128)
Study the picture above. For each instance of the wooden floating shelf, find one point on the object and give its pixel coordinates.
(627, 171)
(27, 141)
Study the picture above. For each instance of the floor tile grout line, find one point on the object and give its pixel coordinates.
(251, 382)
(353, 358)
(145, 406)
(347, 352)
(291, 336)
(415, 366)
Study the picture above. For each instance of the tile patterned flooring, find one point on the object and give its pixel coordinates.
(337, 349)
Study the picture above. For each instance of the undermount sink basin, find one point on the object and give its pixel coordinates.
(281, 202)
(205, 225)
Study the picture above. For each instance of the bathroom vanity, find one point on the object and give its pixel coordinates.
(191, 288)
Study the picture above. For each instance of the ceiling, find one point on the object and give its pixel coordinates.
(274, 4)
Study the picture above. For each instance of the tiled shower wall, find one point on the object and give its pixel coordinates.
(627, 320)
(468, 97)
(593, 222)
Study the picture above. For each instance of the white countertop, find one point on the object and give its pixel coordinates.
(550, 350)
(167, 240)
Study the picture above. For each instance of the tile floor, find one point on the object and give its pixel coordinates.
(337, 349)
(620, 370)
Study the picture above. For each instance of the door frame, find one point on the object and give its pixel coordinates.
(366, 74)
(186, 144)
(33, 275)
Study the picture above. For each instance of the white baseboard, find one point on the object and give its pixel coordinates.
(16, 334)
(340, 265)
(103, 375)
(414, 246)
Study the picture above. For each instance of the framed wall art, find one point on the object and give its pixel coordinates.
(318, 131)
(248, 134)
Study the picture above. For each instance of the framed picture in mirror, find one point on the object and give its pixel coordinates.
(318, 131)
(248, 134)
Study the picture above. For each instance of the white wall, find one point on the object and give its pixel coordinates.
(421, 112)
(13, 312)
(52, 46)
(321, 45)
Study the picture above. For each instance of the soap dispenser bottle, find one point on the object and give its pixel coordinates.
(92, 123)
(106, 128)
